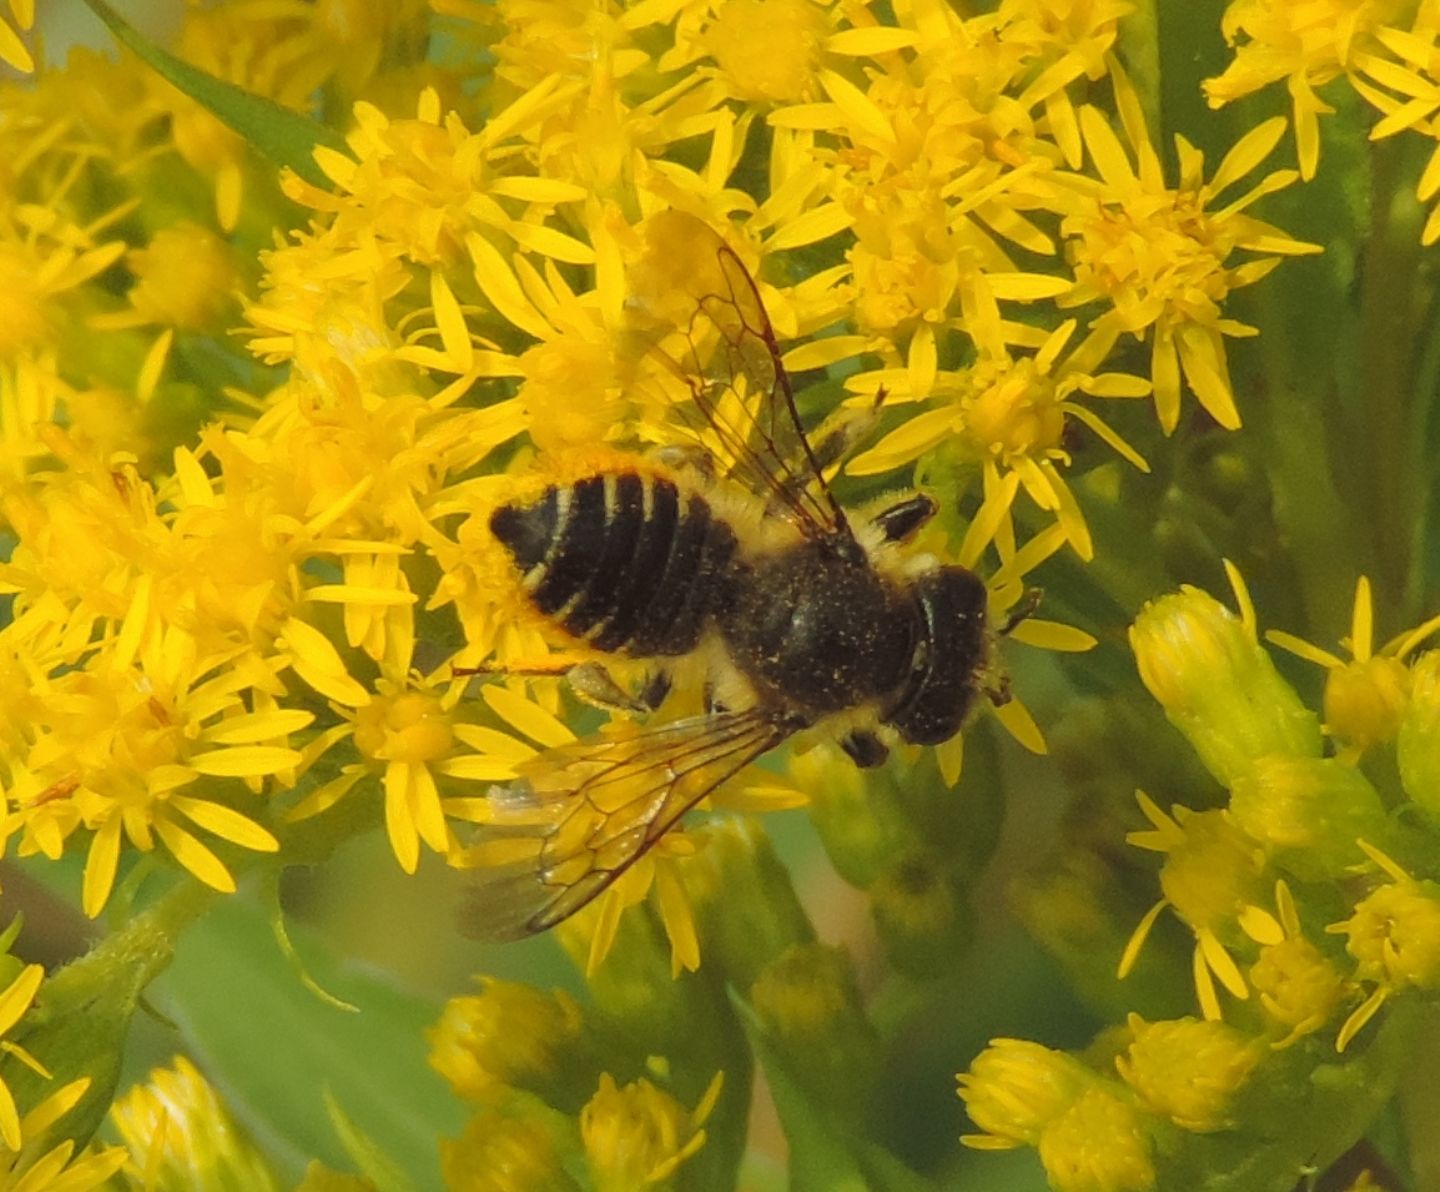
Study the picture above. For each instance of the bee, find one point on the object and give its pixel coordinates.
(812, 619)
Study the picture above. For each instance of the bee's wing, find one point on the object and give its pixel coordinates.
(581, 814)
(743, 397)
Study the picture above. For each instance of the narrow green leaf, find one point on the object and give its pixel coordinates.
(378, 1167)
(287, 138)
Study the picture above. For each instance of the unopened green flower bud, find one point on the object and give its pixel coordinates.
(920, 916)
(1188, 1069)
(862, 834)
(809, 1006)
(1308, 812)
(1218, 686)
(1418, 745)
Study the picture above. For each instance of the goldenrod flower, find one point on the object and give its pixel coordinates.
(126, 745)
(1365, 698)
(637, 1135)
(1188, 1070)
(1296, 984)
(1010, 414)
(1394, 936)
(1212, 874)
(1307, 45)
(1159, 256)
(181, 1136)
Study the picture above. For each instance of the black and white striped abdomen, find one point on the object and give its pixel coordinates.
(626, 561)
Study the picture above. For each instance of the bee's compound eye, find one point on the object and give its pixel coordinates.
(951, 607)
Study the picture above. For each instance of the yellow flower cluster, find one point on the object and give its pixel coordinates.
(1385, 50)
(218, 634)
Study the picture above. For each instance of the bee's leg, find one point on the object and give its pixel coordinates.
(902, 519)
(656, 688)
(593, 683)
(1024, 607)
(866, 750)
(589, 680)
(997, 690)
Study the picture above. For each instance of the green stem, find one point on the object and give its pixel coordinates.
(1380, 407)
(78, 1025)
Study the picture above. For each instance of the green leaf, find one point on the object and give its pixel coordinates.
(287, 138)
(276, 1051)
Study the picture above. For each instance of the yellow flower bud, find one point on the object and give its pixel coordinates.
(509, 1034)
(505, 1148)
(182, 1136)
(809, 1004)
(638, 1135)
(1218, 686)
(1098, 1144)
(1016, 1088)
(1364, 701)
(1297, 985)
(1188, 1069)
(1418, 745)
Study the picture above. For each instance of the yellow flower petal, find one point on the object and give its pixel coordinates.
(874, 39)
(316, 660)
(1018, 722)
(226, 823)
(1052, 635)
(858, 109)
(194, 856)
(100, 865)
(245, 761)
(527, 717)
(18, 995)
(454, 334)
(501, 287)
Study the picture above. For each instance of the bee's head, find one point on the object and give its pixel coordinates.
(949, 658)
